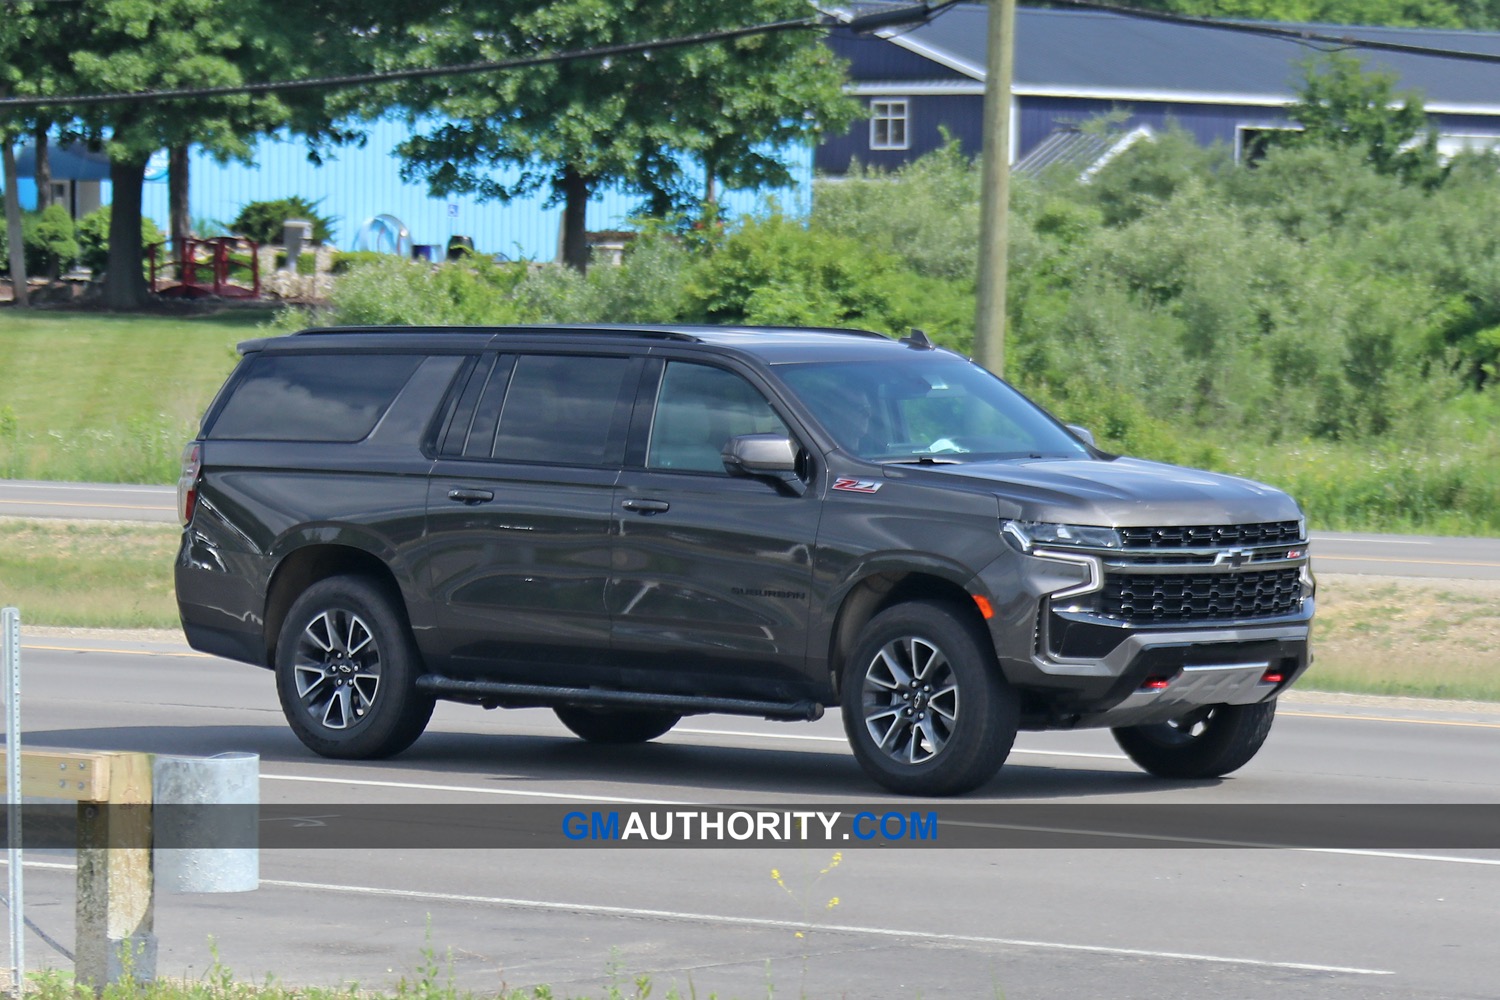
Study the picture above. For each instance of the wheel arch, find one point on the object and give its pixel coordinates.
(887, 588)
(305, 566)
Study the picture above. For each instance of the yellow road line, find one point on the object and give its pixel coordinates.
(121, 652)
(70, 503)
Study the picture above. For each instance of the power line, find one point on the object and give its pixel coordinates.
(282, 86)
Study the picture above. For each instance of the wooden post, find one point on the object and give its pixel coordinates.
(115, 885)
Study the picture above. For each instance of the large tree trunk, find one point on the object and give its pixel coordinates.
(13, 223)
(124, 280)
(177, 198)
(43, 166)
(575, 248)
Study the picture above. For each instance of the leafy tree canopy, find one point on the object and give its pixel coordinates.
(574, 127)
(1340, 104)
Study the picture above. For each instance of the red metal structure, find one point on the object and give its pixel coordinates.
(203, 267)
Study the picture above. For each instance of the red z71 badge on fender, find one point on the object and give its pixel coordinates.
(856, 485)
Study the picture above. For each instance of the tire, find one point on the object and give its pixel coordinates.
(949, 732)
(1207, 744)
(346, 671)
(616, 725)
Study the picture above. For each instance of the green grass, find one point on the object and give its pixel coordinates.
(97, 397)
(89, 574)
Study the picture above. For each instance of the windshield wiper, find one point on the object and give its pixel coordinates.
(922, 460)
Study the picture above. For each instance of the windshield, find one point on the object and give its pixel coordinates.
(926, 407)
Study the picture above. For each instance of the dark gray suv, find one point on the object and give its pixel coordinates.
(632, 524)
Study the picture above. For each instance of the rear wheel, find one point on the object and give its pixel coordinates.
(616, 725)
(346, 670)
(1206, 743)
(925, 707)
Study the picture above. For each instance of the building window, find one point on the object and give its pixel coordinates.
(888, 121)
(1252, 142)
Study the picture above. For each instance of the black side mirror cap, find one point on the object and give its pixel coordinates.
(768, 456)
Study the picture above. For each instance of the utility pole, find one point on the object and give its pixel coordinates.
(989, 325)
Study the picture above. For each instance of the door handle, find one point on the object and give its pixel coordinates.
(471, 496)
(647, 506)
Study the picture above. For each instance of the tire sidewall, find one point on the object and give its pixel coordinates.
(398, 712)
(987, 716)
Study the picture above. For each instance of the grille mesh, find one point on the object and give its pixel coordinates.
(1213, 535)
(1192, 597)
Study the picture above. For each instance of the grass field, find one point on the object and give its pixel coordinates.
(109, 398)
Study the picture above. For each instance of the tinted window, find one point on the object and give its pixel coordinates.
(313, 397)
(926, 405)
(698, 409)
(565, 410)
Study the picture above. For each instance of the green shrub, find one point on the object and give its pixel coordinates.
(51, 247)
(346, 261)
(926, 213)
(263, 221)
(776, 271)
(93, 238)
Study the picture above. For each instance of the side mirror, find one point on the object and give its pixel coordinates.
(1083, 434)
(769, 456)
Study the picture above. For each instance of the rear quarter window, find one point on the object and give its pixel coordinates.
(313, 397)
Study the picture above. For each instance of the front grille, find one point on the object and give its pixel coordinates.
(1213, 535)
(1154, 599)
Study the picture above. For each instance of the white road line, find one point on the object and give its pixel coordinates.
(885, 932)
(724, 919)
(517, 792)
(155, 490)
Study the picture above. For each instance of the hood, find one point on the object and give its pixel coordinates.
(1122, 492)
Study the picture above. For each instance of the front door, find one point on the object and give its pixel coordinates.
(712, 572)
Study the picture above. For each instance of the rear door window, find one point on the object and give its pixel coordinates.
(557, 409)
(313, 397)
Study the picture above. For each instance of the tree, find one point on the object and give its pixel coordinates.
(575, 127)
(1339, 104)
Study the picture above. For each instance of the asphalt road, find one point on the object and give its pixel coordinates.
(1379, 555)
(1162, 921)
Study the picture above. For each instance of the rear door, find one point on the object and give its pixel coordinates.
(520, 505)
(712, 572)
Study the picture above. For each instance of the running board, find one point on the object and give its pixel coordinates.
(499, 693)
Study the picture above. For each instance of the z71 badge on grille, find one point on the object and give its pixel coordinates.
(857, 485)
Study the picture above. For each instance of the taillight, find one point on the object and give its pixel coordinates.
(187, 483)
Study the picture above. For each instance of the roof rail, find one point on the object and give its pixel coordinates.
(601, 330)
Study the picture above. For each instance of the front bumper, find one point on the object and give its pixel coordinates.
(1076, 668)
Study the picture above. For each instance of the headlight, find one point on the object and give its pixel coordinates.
(1027, 535)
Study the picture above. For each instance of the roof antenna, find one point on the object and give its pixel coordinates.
(917, 339)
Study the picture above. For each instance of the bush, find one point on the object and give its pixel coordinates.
(50, 244)
(347, 261)
(262, 221)
(93, 238)
(776, 271)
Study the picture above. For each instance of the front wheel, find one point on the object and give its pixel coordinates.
(346, 671)
(925, 707)
(616, 725)
(1207, 743)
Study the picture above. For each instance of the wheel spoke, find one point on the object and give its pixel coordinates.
(337, 669)
(930, 664)
(896, 671)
